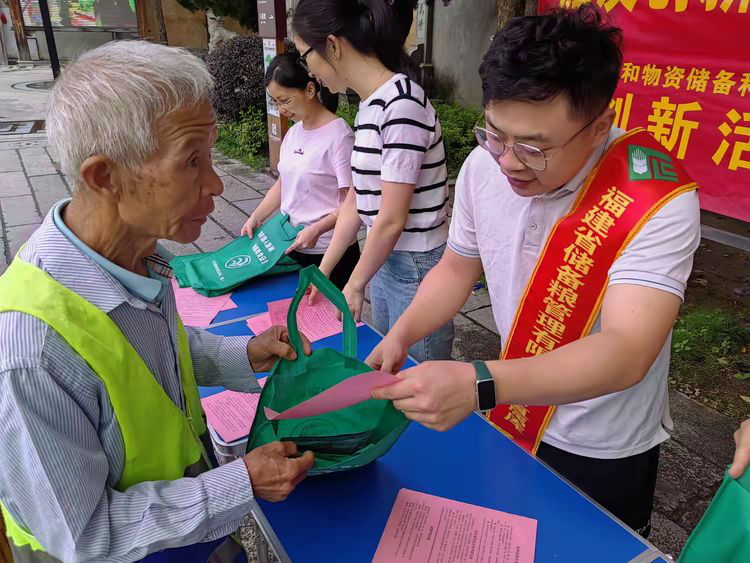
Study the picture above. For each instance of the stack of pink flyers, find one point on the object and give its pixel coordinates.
(196, 309)
(316, 322)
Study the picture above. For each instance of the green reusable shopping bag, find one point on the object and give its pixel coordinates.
(723, 534)
(343, 439)
(285, 265)
(216, 273)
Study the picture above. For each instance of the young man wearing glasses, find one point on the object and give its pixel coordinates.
(586, 236)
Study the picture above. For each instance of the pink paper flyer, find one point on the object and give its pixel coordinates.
(428, 529)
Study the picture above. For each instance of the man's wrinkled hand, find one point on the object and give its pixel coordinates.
(265, 349)
(276, 469)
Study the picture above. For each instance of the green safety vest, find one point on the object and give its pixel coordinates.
(139, 402)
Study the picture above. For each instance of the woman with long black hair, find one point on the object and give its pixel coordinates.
(314, 166)
(398, 163)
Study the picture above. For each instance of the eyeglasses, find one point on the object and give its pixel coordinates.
(282, 103)
(302, 60)
(530, 156)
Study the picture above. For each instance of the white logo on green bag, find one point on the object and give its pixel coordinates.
(239, 261)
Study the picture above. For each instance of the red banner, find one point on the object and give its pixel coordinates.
(686, 78)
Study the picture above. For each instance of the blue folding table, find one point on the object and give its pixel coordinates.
(341, 517)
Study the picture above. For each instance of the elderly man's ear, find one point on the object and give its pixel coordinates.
(101, 176)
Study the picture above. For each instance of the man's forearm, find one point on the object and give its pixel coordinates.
(221, 361)
(65, 500)
(635, 323)
(593, 366)
(155, 515)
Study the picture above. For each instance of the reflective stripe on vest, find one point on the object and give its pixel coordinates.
(139, 402)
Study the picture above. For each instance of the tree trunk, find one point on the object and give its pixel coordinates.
(161, 23)
(508, 9)
(217, 33)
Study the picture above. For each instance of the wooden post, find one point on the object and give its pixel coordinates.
(272, 28)
(142, 18)
(16, 16)
(162, 25)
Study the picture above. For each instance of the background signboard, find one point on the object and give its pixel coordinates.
(686, 78)
(95, 14)
(272, 28)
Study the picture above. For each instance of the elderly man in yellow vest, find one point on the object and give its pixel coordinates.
(103, 442)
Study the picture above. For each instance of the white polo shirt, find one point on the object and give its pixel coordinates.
(507, 233)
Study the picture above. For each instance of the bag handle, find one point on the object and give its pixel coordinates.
(290, 232)
(308, 276)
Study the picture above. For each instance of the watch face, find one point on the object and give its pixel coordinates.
(486, 395)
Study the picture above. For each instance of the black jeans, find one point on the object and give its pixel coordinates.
(343, 269)
(623, 486)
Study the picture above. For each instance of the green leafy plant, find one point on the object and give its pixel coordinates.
(711, 339)
(348, 112)
(457, 123)
(237, 68)
(246, 139)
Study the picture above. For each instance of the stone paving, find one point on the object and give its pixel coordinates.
(692, 462)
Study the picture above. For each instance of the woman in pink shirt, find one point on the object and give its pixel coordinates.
(315, 171)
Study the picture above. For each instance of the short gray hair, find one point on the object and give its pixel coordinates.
(109, 101)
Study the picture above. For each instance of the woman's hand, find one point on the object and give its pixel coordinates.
(306, 238)
(251, 225)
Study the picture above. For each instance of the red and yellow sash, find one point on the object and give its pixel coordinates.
(633, 180)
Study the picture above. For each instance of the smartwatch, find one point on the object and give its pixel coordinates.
(486, 400)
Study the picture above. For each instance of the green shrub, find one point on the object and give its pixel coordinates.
(237, 68)
(247, 139)
(458, 133)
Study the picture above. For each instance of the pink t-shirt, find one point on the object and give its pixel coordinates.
(315, 169)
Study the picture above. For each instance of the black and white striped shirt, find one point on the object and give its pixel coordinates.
(398, 139)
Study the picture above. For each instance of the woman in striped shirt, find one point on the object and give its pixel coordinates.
(398, 162)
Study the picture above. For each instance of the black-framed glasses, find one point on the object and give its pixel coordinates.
(302, 60)
(530, 156)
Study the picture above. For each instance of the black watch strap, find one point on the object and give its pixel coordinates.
(486, 399)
